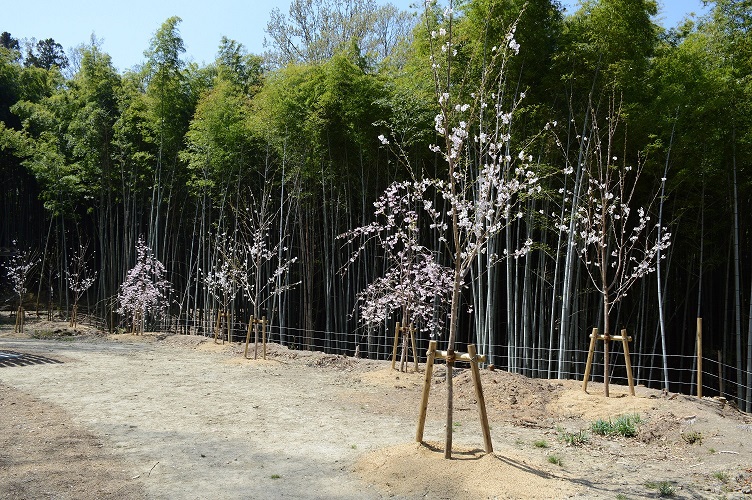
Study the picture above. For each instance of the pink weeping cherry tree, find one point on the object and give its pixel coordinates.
(145, 289)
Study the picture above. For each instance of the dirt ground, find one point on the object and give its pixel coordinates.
(85, 415)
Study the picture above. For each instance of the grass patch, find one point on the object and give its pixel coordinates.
(721, 476)
(575, 438)
(276, 476)
(624, 425)
(692, 437)
(555, 459)
(541, 443)
(665, 488)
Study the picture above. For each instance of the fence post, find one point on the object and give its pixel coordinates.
(699, 357)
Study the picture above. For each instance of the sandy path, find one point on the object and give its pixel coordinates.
(182, 417)
(193, 423)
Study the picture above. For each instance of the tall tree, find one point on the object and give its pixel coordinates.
(315, 30)
(46, 54)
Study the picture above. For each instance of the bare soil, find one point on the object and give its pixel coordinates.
(86, 415)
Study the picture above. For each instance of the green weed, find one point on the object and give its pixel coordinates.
(575, 438)
(692, 437)
(625, 426)
(721, 476)
(665, 488)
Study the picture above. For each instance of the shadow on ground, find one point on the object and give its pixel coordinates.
(14, 358)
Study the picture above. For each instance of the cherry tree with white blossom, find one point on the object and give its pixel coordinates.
(224, 279)
(479, 197)
(414, 283)
(266, 259)
(20, 270)
(144, 291)
(80, 277)
(618, 242)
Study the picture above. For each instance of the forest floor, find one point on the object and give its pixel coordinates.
(87, 415)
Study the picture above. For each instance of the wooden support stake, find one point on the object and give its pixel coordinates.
(396, 340)
(216, 329)
(625, 339)
(253, 325)
(470, 357)
(430, 355)
(589, 364)
(263, 334)
(481, 401)
(410, 331)
(627, 361)
(699, 357)
(415, 349)
(248, 338)
(721, 384)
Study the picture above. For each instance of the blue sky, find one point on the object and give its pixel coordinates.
(126, 26)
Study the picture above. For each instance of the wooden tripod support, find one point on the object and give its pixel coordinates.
(253, 325)
(625, 340)
(218, 329)
(409, 330)
(19, 328)
(470, 357)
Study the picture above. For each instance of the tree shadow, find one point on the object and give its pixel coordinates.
(457, 454)
(15, 358)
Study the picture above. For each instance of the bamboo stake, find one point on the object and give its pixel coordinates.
(255, 338)
(415, 350)
(248, 338)
(699, 357)
(430, 355)
(394, 347)
(481, 401)
(216, 328)
(721, 382)
(263, 334)
(627, 361)
(450, 359)
(589, 364)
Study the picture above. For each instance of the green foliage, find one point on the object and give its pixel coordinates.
(692, 437)
(541, 443)
(555, 459)
(665, 488)
(624, 425)
(578, 438)
(722, 476)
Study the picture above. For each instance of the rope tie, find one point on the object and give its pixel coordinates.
(451, 357)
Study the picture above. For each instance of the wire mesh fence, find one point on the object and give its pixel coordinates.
(675, 372)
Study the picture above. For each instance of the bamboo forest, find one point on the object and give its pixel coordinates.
(494, 172)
